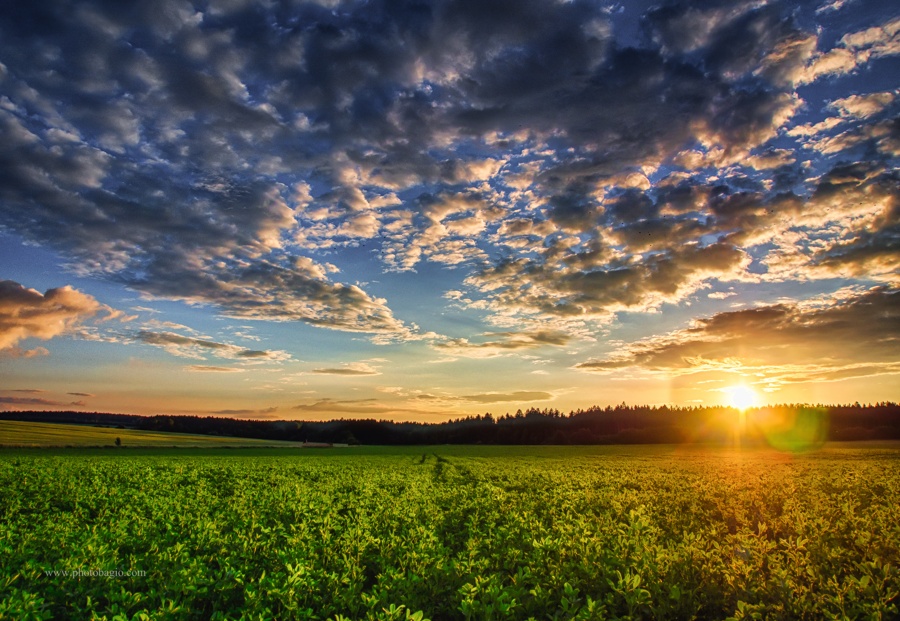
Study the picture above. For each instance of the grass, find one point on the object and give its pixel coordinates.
(47, 435)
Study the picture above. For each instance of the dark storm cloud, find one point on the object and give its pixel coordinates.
(200, 152)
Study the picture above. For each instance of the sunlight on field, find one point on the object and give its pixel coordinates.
(25, 434)
(452, 533)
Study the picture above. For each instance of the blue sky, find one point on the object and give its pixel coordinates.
(421, 210)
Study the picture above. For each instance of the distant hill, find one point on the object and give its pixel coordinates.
(786, 424)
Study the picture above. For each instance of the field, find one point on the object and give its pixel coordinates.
(451, 533)
(28, 434)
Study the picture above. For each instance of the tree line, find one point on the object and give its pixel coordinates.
(621, 424)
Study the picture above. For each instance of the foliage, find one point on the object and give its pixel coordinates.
(780, 426)
(452, 533)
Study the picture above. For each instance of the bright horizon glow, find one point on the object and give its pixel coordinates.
(742, 397)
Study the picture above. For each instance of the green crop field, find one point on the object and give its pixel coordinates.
(28, 434)
(449, 533)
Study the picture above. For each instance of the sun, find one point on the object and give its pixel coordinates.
(742, 397)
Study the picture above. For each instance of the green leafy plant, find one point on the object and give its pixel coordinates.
(466, 533)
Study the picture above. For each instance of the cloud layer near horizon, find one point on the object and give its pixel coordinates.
(778, 344)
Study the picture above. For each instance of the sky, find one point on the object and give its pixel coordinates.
(416, 210)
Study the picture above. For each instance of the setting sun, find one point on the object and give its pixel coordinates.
(742, 397)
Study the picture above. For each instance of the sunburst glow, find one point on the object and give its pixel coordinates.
(742, 397)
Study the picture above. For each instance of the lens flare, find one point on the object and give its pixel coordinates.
(793, 430)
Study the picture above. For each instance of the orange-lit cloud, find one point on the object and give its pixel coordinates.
(785, 343)
(26, 313)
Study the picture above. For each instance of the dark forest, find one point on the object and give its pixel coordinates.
(789, 424)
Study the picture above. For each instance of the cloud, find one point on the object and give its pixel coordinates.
(863, 106)
(502, 343)
(18, 352)
(355, 368)
(201, 368)
(721, 295)
(864, 125)
(497, 397)
(444, 231)
(227, 231)
(265, 412)
(856, 49)
(235, 156)
(361, 407)
(772, 158)
(80, 394)
(851, 335)
(340, 405)
(833, 5)
(646, 248)
(26, 313)
(862, 202)
(594, 284)
(189, 347)
(33, 401)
